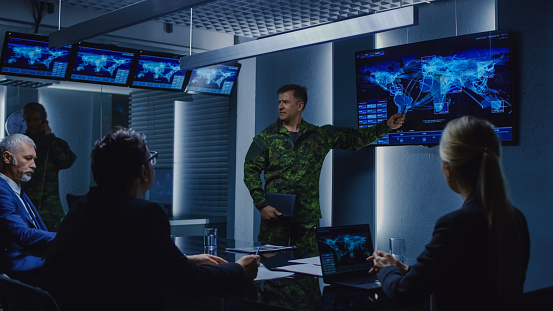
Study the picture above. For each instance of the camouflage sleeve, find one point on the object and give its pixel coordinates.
(354, 139)
(253, 166)
(60, 155)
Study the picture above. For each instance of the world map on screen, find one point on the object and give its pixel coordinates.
(159, 70)
(34, 55)
(347, 246)
(207, 76)
(101, 62)
(423, 83)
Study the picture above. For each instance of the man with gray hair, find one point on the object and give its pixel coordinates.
(22, 231)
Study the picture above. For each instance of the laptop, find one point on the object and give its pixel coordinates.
(343, 251)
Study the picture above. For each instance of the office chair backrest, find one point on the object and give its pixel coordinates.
(18, 296)
(72, 199)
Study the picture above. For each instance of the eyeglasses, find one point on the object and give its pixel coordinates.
(152, 158)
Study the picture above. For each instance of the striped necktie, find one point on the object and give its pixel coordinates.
(29, 209)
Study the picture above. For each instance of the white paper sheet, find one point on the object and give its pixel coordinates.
(311, 260)
(265, 274)
(304, 269)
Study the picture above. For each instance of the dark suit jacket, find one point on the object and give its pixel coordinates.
(18, 233)
(454, 267)
(116, 253)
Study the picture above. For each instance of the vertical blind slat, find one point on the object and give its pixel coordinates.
(207, 138)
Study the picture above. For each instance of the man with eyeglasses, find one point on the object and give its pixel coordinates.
(22, 231)
(114, 249)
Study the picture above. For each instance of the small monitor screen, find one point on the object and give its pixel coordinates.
(344, 249)
(435, 82)
(102, 64)
(162, 190)
(159, 73)
(29, 55)
(216, 79)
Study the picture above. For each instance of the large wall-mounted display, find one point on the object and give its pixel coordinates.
(215, 79)
(105, 64)
(158, 71)
(29, 56)
(437, 81)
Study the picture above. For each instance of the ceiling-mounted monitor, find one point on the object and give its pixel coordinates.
(29, 55)
(158, 71)
(215, 79)
(437, 81)
(105, 64)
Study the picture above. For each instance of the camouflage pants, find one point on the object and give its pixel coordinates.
(283, 232)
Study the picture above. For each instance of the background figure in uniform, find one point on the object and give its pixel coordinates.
(53, 155)
(291, 152)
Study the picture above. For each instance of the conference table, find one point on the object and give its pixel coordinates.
(300, 292)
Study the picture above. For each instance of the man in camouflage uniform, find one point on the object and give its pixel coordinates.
(53, 155)
(291, 154)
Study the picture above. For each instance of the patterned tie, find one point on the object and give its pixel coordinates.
(29, 209)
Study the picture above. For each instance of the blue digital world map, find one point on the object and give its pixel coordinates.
(35, 55)
(347, 247)
(211, 77)
(157, 70)
(101, 64)
(424, 83)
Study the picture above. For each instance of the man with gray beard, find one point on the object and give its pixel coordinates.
(22, 231)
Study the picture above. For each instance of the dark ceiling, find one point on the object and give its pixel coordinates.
(260, 18)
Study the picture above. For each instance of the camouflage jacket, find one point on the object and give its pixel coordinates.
(53, 155)
(295, 166)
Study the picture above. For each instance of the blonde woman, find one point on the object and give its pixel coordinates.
(478, 255)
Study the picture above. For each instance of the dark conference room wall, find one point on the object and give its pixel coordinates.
(398, 190)
(529, 167)
(413, 191)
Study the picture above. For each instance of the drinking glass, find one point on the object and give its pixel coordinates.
(397, 248)
(210, 241)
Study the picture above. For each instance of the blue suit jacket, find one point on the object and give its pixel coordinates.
(18, 234)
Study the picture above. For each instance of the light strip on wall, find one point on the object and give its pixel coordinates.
(2, 111)
(379, 190)
(178, 164)
(378, 22)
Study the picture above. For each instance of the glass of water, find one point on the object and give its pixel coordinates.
(210, 241)
(397, 248)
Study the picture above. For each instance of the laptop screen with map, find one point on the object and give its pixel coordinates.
(343, 251)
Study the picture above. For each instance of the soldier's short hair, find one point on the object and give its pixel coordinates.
(36, 107)
(300, 92)
(117, 158)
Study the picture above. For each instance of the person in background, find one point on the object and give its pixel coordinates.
(23, 234)
(53, 155)
(478, 255)
(114, 249)
(291, 153)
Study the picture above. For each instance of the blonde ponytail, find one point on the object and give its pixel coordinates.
(471, 147)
